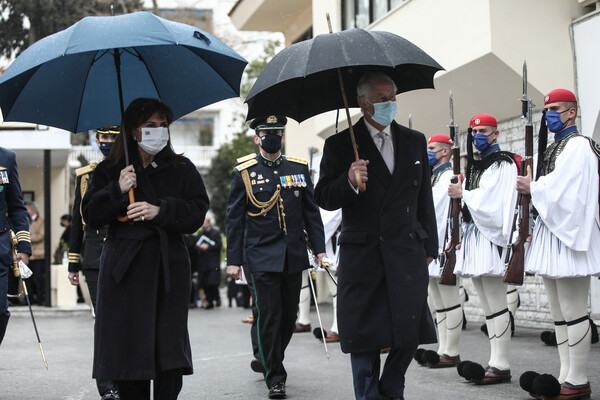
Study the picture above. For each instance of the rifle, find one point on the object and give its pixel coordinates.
(516, 266)
(448, 260)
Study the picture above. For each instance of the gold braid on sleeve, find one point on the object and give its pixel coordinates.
(265, 206)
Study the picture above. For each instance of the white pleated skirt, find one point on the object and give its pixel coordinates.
(478, 256)
(548, 257)
(434, 269)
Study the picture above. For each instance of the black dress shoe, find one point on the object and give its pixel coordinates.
(277, 391)
(257, 366)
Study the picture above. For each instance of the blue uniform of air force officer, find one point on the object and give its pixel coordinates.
(13, 215)
(270, 205)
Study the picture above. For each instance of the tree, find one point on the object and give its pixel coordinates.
(23, 22)
(219, 175)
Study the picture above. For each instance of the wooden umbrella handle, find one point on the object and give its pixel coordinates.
(361, 185)
(125, 218)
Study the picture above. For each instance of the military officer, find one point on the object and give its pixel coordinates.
(270, 204)
(88, 242)
(13, 215)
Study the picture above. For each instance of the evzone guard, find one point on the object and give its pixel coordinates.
(489, 198)
(565, 244)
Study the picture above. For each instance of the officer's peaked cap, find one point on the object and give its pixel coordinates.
(269, 122)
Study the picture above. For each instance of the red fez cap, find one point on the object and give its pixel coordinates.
(441, 139)
(559, 95)
(483, 120)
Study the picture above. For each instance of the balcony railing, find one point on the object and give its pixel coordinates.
(201, 156)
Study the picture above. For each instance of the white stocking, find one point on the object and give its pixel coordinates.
(437, 309)
(573, 295)
(512, 298)
(560, 328)
(454, 318)
(304, 304)
(333, 291)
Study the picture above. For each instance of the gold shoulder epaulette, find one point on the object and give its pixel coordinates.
(245, 165)
(297, 160)
(246, 158)
(86, 170)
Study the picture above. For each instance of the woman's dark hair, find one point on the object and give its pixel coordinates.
(139, 111)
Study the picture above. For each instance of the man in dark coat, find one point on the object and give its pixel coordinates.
(270, 205)
(388, 237)
(209, 244)
(12, 215)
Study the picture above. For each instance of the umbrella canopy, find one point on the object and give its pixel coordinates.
(69, 80)
(301, 81)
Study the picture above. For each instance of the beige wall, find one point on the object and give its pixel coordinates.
(32, 179)
(538, 31)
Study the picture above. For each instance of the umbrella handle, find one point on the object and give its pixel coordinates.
(361, 185)
(125, 218)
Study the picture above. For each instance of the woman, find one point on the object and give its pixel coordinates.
(144, 284)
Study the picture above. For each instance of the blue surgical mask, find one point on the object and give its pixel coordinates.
(431, 156)
(385, 112)
(481, 142)
(555, 125)
(105, 148)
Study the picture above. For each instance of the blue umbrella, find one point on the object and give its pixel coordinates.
(80, 78)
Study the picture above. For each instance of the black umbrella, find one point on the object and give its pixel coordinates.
(302, 80)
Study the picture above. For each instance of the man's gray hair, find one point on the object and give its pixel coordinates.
(363, 87)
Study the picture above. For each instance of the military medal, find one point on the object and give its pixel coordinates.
(4, 176)
(283, 182)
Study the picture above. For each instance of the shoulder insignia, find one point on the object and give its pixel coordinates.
(297, 160)
(246, 158)
(245, 165)
(86, 170)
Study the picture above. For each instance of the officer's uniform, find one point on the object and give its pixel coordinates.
(270, 205)
(85, 246)
(85, 242)
(13, 215)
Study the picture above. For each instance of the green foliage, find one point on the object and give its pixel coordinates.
(47, 17)
(218, 179)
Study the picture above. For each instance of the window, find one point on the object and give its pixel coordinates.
(360, 13)
(193, 131)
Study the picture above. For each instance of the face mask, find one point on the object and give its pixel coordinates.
(432, 159)
(481, 141)
(555, 125)
(105, 148)
(385, 112)
(154, 139)
(271, 143)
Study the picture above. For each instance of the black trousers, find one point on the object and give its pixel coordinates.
(37, 283)
(167, 386)
(368, 385)
(91, 279)
(276, 297)
(253, 335)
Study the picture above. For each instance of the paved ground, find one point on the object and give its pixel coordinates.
(222, 353)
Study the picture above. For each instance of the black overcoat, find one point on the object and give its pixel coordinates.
(387, 233)
(210, 259)
(145, 282)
